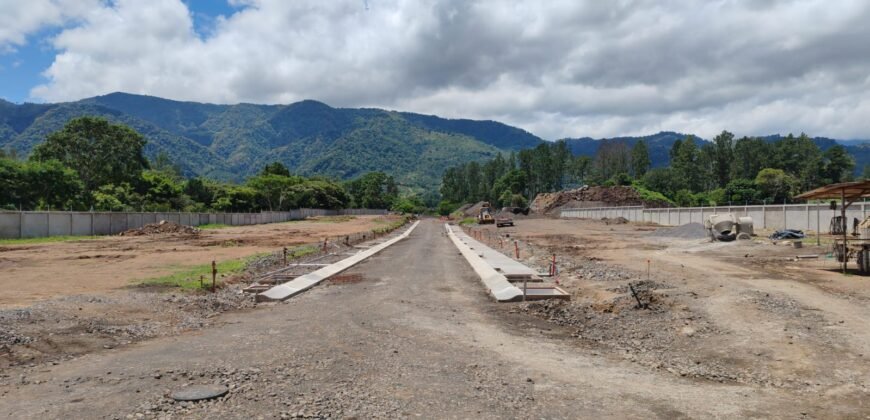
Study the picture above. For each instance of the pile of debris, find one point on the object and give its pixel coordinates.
(162, 227)
(586, 196)
(614, 221)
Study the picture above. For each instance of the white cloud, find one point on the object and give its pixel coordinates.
(556, 68)
(18, 18)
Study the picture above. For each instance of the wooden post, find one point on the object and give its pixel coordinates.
(213, 275)
(818, 225)
(517, 248)
(285, 255)
(845, 226)
(553, 266)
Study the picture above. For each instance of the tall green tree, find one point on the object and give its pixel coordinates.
(101, 153)
(751, 155)
(272, 190)
(775, 185)
(724, 157)
(612, 158)
(374, 190)
(640, 161)
(838, 165)
(686, 164)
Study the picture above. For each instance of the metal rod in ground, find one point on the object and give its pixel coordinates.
(213, 275)
(517, 248)
(553, 266)
(525, 287)
(636, 297)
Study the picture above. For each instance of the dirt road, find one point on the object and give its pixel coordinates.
(409, 333)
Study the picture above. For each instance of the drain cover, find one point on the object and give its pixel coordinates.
(199, 392)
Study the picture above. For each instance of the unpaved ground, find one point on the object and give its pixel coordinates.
(29, 273)
(64, 327)
(728, 333)
(418, 338)
(734, 313)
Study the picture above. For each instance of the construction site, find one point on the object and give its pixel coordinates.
(492, 313)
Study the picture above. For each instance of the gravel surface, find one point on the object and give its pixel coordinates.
(687, 231)
(418, 338)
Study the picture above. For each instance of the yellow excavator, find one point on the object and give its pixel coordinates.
(484, 217)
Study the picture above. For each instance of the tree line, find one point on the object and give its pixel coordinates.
(510, 180)
(726, 170)
(92, 164)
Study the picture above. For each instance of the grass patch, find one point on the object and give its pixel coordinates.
(213, 226)
(45, 240)
(468, 221)
(332, 219)
(301, 251)
(187, 278)
(392, 226)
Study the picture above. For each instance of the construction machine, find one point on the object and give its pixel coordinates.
(484, 217)
(727, 227)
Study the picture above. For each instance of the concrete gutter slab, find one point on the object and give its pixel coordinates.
(307, 281)
(497, 284)
(512, 269)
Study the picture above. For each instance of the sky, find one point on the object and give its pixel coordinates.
(557, 68)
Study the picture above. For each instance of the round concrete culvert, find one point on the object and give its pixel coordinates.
(199, 392)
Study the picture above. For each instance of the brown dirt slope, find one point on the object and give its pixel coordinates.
(549, 203)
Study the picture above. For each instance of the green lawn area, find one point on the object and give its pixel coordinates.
(187, 277)
(47, 239)
(213, 226)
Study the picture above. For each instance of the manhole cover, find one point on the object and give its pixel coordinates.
(199, 392)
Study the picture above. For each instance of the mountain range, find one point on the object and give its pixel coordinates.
(659, 146)
(232, 142)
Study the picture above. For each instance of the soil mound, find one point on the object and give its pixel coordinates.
(474, 210)
(687, 231)
(614, 221)
(162, 227)
(586, 196)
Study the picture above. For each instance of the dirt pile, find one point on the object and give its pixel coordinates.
(550, 203)
(162, 227)
(614, 221)
(687, 231)
(474, 210)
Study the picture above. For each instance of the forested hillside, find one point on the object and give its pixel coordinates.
(697, 172)
(659, 146)
(232, 142)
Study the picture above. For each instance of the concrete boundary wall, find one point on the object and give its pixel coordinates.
(789, 216)
(38, 224)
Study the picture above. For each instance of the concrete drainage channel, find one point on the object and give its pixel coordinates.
(306, 281)
(497, 271)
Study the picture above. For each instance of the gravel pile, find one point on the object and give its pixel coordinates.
(162, 227)
(687, 231)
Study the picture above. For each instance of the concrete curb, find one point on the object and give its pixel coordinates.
(302, 283)
(495, 282)
(510, 268)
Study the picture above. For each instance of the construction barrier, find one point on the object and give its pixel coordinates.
(37, 224)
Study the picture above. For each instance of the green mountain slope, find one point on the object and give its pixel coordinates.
(231, 142)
